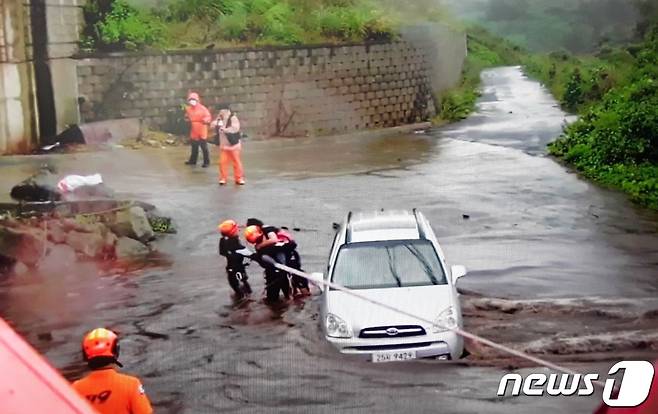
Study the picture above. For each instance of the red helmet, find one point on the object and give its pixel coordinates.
(253, 234)
(229, 228)
(100, 342)
(193, 95)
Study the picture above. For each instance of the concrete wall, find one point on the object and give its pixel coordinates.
(65, 21)
(19, 106)
(445, 50)
(297, 91)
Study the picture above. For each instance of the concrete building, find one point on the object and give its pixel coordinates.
(38, 86)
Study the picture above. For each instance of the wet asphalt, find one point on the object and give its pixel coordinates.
(569, 258)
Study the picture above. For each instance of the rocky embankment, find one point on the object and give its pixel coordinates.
(85, 226)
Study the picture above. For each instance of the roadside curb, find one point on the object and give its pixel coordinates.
(383, 132)
(361, 134)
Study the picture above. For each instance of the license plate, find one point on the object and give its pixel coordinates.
(393, 356)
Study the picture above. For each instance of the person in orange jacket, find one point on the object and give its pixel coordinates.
(230, 145)
(199, 118)
(108, 391)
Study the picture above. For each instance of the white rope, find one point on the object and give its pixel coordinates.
(457, 330)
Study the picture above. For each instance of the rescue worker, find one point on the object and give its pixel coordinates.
(275, 280)
(199, 118)
(108, 391)
(230, 145)
(235, 253)
(274, 235)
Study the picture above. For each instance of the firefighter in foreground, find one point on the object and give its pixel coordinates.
(275, 279)
(108, 391)
(235, 253)
(274, 236)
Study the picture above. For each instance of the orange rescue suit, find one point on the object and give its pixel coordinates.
(199, 117)
(110, 392)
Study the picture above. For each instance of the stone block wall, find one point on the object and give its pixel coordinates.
(294, 91)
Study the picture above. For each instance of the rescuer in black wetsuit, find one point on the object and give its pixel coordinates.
(235, 253)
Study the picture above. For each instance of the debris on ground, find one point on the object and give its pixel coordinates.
(46, 185)
(154, 139)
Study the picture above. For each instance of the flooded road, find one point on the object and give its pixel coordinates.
(550, 257)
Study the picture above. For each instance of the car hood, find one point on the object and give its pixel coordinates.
(424, 301)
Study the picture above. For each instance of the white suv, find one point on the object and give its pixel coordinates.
(392, 257)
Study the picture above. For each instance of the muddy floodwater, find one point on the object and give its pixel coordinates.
(558, 267)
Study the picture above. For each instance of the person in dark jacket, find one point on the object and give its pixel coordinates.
(199, 118)
(275, 280)
(274, 235)
(235, 254)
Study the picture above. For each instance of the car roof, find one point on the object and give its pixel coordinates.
(382, 225)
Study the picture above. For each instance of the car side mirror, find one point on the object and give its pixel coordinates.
(457, 271)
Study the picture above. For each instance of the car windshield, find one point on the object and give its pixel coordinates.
(388, 264)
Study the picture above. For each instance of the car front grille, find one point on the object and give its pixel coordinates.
(398, 331)
(389, 347)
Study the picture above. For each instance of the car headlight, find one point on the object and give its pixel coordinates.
(337, 328)
(446, 321)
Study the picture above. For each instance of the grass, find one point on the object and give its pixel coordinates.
(615, 140)
(119, 25)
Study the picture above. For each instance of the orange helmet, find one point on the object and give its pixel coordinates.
(100, 342)
(228, 228)
(253, 234)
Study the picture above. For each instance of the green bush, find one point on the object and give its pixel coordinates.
(124, 27)
(615, 141)
(573, 96)
(114, 24)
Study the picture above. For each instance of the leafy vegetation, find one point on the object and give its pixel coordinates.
(615, 140)
(615, 93)
(539, 25)
(117, 24)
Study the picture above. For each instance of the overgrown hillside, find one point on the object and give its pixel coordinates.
(615, 141)
(614, 92)
(173, 24)
(576, 25)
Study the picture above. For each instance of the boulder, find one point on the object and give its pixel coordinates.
(90, 244)
(22, 244)
(127, 248)
(20, 269)
(56, 231)
(133, 223)
(59, 258)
